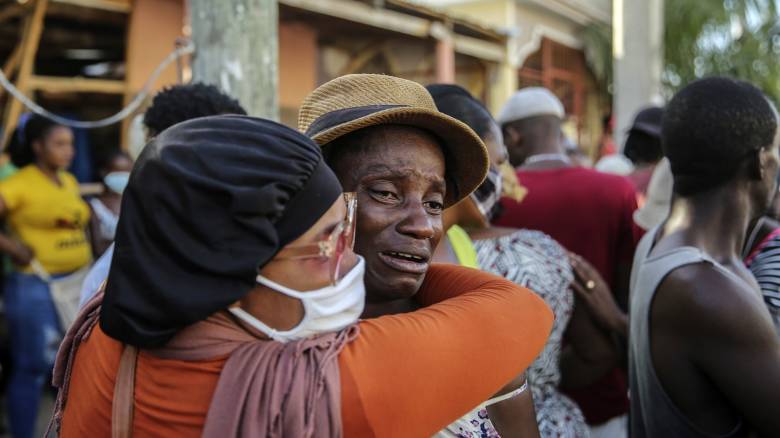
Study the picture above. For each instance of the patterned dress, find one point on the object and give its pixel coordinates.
(764, 263)
(534, 260)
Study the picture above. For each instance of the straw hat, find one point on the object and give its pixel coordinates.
(349, 103)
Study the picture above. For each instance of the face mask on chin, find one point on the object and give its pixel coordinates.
(487, 195)
(117, 181)
(328, 309)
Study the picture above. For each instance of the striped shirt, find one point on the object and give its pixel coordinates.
(764, 263)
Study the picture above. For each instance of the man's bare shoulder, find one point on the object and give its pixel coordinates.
(702, 302)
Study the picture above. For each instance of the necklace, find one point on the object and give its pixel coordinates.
(547, 157)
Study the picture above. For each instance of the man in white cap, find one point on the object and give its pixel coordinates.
(591, 214)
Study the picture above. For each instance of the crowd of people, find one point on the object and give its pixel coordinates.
(402, 264)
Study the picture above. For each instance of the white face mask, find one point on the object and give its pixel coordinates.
(117, 181)
(326, 310)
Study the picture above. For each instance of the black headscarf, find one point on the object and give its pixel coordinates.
(209, 201)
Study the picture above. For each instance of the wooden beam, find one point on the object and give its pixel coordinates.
(12, 63)
(365, 14)
(30, 41)
(360, 58)
(122, 6)
(55, 84)
(478, 48)
(11, 11)
(393, 21)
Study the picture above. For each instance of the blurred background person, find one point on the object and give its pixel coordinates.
(586, 211)
(774, 209)
(762, 257)
(114, 173)
(659, 198)
(577, 156)
(615, 164)
(607, 144)
(531, 259)
(170, 106)
(47, 219)
(643, 148)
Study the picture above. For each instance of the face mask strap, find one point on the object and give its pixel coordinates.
(276, 335)
(315, 293)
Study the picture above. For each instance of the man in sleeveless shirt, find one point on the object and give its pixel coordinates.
(704, 358)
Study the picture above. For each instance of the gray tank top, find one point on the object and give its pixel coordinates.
(653, 413)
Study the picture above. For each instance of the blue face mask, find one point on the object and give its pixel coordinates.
(117, 181)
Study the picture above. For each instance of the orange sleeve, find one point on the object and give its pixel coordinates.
(412, 374)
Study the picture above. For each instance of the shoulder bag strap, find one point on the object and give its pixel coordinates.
(124, 389)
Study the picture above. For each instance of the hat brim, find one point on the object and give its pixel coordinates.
(468, 154)
(646, 128)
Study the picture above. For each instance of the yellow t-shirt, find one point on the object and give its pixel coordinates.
(48, 218)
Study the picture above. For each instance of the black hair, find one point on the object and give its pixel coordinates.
(105, 161)
(642, 148)
(711, 127)
(20, 149)
(458, 103)
(178, 103)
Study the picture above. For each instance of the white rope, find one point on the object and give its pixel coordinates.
(126, 111)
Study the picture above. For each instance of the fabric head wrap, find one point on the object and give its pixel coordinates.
(209, 202)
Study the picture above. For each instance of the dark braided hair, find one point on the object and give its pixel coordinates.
(711, 127)
(178, 103)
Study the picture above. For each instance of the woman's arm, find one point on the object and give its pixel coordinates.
(594, 293)
(20, 254)
(415, 373)
(515, 417)
(588, 353)
(98, 243)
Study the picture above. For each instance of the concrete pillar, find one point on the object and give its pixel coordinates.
(637, 31)
(445, 52)
(504, 82)
(236, 48)
(445, 61)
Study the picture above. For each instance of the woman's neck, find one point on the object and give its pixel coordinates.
(50, 172)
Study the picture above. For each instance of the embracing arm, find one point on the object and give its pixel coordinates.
(515, 416)
(415, 373)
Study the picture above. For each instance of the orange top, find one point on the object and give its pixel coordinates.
(405, 375)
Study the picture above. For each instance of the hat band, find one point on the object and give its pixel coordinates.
(335, 118)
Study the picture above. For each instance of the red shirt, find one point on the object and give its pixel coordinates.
(591, 214)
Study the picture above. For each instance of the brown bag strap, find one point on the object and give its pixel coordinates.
(124, 395)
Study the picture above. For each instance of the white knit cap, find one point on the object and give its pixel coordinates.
(659, 197)
(531, 102)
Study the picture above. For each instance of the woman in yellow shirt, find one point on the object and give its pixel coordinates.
(46, 220)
